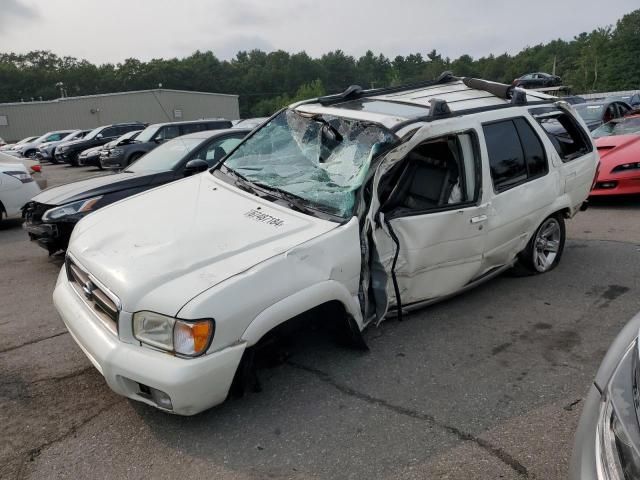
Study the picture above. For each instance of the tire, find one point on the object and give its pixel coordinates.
(133, 158)
(544, 250)
(73, 160)
(30, 154)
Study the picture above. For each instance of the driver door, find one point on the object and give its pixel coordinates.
(431, 232)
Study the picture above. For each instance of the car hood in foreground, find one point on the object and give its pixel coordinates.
(91, 187)
(158, 250)
(617, 149)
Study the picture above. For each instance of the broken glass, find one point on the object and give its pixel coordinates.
(322, 159)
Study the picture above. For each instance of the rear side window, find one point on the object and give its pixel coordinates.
(567, 136)
(192, 128)
(218, 125)
(516, 154)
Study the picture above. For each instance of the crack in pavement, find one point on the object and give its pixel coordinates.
(487, 446)
(33, 453)
(10, 349)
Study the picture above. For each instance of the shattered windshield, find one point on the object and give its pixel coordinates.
(321, 159)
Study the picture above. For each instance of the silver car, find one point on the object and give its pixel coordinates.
(607, 444)
(30, 149)
(45, 150)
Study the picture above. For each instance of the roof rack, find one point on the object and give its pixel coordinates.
(355, 91)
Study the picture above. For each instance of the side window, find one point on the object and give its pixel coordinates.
(506, 158)
(217, 150)
(437, 174)
(218, 125)
(192, 128)
(534, 154)
(168, 132)
(567, 136)
(110, 132)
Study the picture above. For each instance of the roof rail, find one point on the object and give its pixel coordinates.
(355, 91)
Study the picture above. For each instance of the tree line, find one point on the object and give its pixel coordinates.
(606, 59)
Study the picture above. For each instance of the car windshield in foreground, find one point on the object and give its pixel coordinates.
(590, 112)
(320, 159)
(147, 134)
(165, 157)
(619, 126)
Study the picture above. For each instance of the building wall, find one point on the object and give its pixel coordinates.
(150, 106)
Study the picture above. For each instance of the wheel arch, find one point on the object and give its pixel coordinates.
(329, 293)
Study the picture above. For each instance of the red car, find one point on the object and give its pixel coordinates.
(618, 143)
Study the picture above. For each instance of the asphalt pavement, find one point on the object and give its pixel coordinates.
(487, 385)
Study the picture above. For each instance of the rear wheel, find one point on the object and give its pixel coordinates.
(545, 248)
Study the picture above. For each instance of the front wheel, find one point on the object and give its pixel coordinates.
(545, 248)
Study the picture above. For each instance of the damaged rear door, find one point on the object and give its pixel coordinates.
(429, 229)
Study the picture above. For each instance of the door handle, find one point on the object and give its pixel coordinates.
(479, 218)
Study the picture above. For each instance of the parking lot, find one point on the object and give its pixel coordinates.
(487, 385)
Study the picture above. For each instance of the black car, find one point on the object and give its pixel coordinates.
(152, 136)
(598, 113)
(91, 157)
(537, 80)
(51, 215)
(68, 152)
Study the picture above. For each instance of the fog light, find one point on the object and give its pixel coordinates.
(157, 396)
(162, 399)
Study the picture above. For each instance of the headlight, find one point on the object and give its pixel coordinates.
(626, 167)
(116, 152)
(76, 208)
(182, 337)
(62, 149)
(618, 432)
(24, 177)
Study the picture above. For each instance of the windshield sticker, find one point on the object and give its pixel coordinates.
(264, 218)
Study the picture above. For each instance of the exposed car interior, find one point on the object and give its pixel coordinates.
(564, 134)
(434, 175)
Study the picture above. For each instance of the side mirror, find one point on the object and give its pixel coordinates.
(196, 165)
(99, 136)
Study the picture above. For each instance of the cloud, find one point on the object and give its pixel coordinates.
(12, 10)
(228, 49)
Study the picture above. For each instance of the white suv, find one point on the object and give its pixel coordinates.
(375, 202)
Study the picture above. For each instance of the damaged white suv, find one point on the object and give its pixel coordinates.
(375, 202)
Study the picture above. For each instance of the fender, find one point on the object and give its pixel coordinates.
(299, 303)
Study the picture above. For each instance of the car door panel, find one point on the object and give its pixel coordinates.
(437, 252)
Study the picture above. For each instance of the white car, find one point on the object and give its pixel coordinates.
(368, 203)
(32, 165)
(17, 187)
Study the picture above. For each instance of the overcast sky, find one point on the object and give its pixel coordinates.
(112, 30)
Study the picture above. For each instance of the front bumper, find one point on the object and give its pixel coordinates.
(622, 184)
(50, 236)
(193, 385)
(89, 160)
(112, 162)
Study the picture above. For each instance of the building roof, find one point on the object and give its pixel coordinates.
(132, 92)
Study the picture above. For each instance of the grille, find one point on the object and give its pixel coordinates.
(103, 303)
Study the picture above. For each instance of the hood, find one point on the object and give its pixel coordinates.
(159, 249)
(91, 151)
(72, 143)
(617, 149)
(92, 187)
